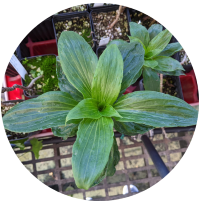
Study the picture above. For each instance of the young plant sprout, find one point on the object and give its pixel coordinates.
(157, 53)
(91, 103)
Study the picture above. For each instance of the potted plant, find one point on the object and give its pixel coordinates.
(78, 8)
(44, 66)
(79, 23)
(91, 103)
(102, 23)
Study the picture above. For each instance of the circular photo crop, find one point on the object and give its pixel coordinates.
(99, 101)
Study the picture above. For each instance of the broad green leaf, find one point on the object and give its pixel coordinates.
(139, 32)
(89, 108)
(19, 143)
(91, 150)
(160, 41)
(110, 169)
(155, 109)
(150, 63)
(174, 73)
(78, 61)
(108, 76)
(36, 147)
(134, 39)
(118, 42)
(154, 30)
(69, 130)
(171, 49)
(133, 57)
(167, 64)
(64, 84)
(113, 159)
(151, 79)
(152, 53)
(131, 128)
(46, 111)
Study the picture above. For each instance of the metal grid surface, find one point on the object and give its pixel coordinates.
(135, 167)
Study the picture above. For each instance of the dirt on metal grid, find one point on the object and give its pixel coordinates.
(54, 167)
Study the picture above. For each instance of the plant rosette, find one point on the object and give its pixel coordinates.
(157, 54)
(80, 25)
(141, 18)
(78, 8)
(103, 20)
(91, 103)
(41, 65)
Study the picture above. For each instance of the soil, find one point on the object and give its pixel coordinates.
(78, 8)
(41, 65)
(101, 22)
(182, 54)
(105, 4)
(80, 25)
(144, 19)
(169, 87)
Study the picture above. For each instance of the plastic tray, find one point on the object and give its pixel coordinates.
(69, 16)
(42, 32)
(42, 47)
(189, 87)
(99, 7)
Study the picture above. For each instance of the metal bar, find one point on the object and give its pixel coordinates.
(158, 162)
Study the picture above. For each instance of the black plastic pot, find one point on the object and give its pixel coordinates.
(91, 8)
(176, 83)
(42, 32)
(23, 82)
(87, 9)
(69, 16)
(107, 9)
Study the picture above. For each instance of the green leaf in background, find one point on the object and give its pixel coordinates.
(131, 128)
(64, 84)
(155, 109)
(118, 42)
(91, 150)
(160, 41)
(36, 147)
(152, 53)
(151, 79)
(78, 61)
(46, 111)
(89, 108)
(133, 57)
(167, 64)
(108, 76)
(154, 30)
(134, 39)
(19, 143)
(174, 73)
(113, 159)
(171, 49)
(150, 63)
(139, 32)
(69, 130)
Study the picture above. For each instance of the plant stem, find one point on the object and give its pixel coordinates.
(28, 88)
(121, 9)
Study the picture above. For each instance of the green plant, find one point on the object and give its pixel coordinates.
(157, 53)
(91, 103)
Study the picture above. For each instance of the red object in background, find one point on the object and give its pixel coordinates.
(189, 87)
(17, 93)
(42, 47)
(130, 89)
